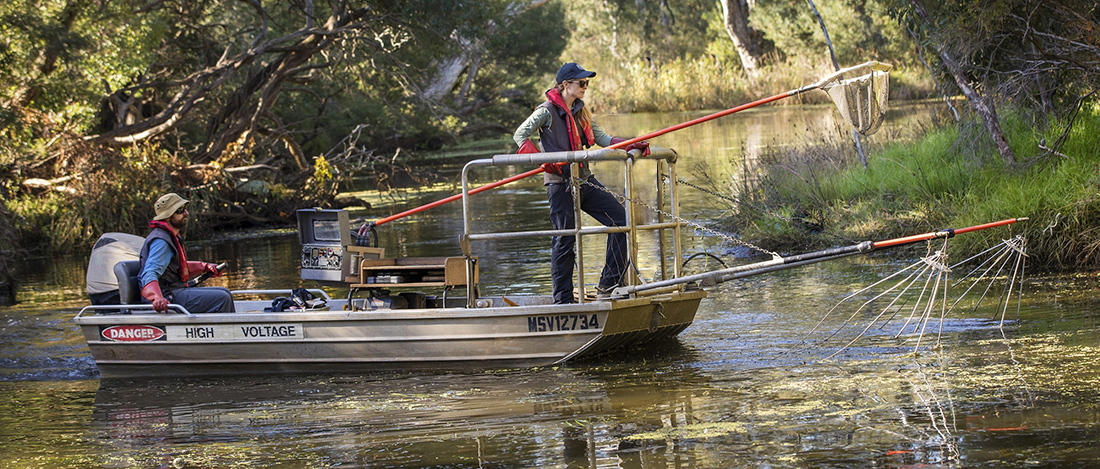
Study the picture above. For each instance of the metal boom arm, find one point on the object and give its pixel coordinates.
(782, 263)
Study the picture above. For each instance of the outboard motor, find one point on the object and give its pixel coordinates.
(109, 249)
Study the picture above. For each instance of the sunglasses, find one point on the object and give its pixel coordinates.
(581, 83)
(179, 211)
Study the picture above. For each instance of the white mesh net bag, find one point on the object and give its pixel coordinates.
(860, 94)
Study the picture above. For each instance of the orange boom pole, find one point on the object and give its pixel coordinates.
(457, 197)
(941, 234)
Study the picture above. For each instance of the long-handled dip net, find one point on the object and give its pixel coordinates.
(859, 93)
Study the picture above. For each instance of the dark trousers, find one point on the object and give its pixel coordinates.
(605, 209)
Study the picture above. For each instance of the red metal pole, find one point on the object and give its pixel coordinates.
(989, 225)
(942, 233)
(457, 196)
(615, 146)
(703, 119)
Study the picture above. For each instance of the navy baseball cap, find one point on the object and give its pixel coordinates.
(572, 71)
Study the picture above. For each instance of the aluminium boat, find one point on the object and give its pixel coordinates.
(403, 313)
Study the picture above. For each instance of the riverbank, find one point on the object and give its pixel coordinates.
(950, 177)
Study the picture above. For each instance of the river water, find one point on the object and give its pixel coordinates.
(749, 384)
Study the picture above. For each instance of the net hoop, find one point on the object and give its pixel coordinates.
(860, 94)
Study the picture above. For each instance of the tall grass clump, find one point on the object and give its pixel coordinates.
(951, 177)
(707, 82)
(904, 188)
(1058, 192)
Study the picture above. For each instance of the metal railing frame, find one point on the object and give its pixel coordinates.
(661, 155)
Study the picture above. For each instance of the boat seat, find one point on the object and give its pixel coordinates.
(129, 288)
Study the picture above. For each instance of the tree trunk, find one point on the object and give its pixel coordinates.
(449, 70)
(943, 92)
(836, 66)
(981, 104)
(746, 39)
(666, 16)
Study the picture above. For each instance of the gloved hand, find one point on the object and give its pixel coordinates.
(151, 291)
(212, 268)
(553, 168)
(528, 147)
(642, 145)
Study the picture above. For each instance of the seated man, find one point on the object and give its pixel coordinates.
(165, 268)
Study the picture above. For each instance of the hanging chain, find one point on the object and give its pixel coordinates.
(729, 198)
(623, 199)
(733, 199)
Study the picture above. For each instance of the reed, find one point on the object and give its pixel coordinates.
(706, 82)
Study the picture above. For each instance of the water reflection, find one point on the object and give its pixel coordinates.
(745, 385)
(532, 418)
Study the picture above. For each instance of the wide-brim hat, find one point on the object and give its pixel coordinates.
(572, 71)
(167, 205)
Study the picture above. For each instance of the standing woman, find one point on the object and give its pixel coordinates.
(564, 124)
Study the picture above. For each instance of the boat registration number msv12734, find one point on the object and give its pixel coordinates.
(562, 322)
(205, 332)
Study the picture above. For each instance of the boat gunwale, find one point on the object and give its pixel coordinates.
(386, 314)
(357, 316)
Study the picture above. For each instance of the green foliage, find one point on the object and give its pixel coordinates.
(617, 38)
(860, 30)
(118, 197)
(942, 180)
(71, 68)
(1038, 55)
(65, 66)
(692, 64)
(525, 46)
(59, 56)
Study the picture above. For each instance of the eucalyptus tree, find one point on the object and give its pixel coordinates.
(134, 96)
(749, 41)
(1041, 55)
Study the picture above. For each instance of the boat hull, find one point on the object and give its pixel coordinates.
(256, 342)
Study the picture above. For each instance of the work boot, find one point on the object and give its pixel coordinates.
(604, 293)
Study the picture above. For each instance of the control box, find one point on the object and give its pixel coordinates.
(324, 235)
